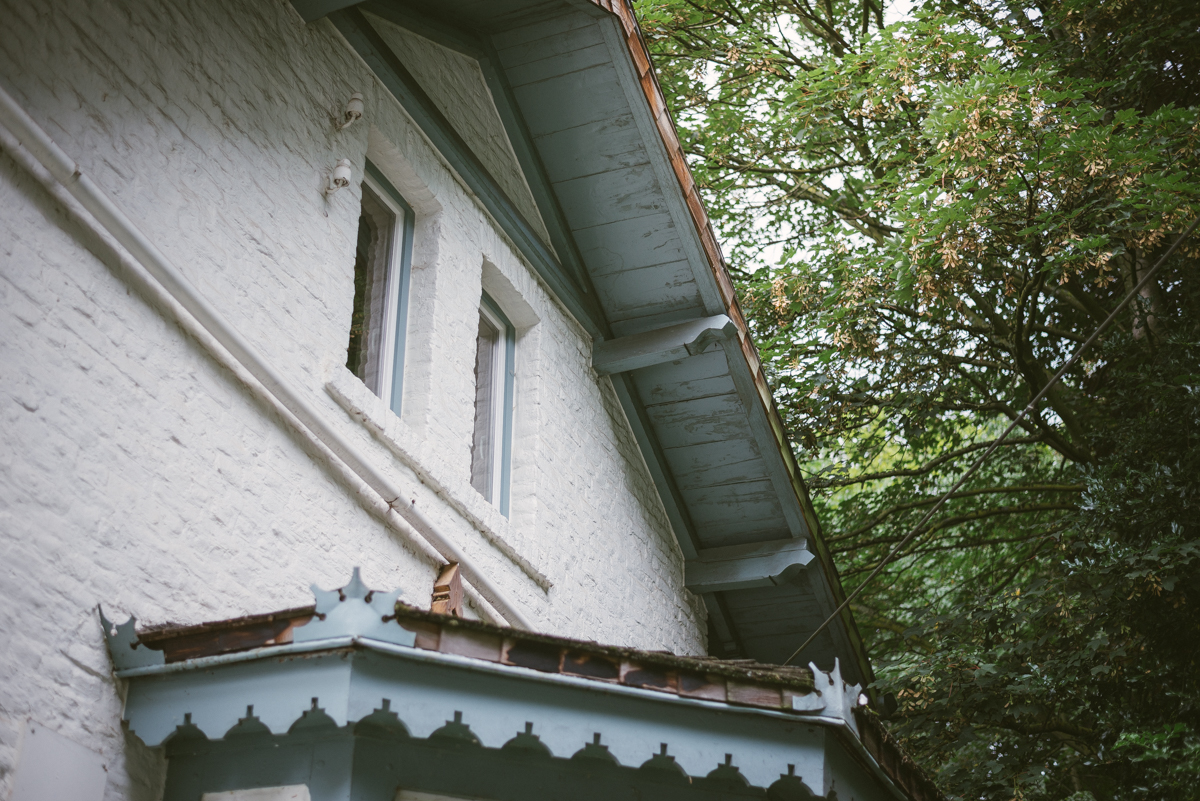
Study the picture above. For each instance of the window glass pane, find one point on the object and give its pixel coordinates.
(483, 444)
(369, 344)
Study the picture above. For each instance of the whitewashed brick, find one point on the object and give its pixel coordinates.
(137, 471)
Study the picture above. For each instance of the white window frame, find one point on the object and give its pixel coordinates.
(389, 375)
(394, 305)
(503, 395)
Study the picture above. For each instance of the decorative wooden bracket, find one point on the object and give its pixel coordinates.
(661, 345)
(738, 567)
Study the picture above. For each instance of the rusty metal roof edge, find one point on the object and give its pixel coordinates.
(162, 637)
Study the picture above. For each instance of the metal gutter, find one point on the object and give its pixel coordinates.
(108, 215)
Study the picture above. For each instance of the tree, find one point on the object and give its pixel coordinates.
(926, 219)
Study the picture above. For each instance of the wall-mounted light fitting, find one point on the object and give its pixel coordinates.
(340, 177)
(354, 111)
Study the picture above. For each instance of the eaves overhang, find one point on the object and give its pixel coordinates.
(338, 697)
(632, 255)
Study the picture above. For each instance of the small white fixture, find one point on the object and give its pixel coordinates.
(354, 111)
(340, 178)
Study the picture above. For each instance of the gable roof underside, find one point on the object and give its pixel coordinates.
(630, 250)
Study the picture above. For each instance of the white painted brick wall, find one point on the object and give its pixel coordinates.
(137, 472)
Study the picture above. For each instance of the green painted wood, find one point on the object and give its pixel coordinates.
(733, 503)
(660, 345)
(760, 564)
(714, 419)
(532, 43)
(630, 244)
(649, 291)
(548, 27)
(571, 100)
(724, 473)
(715, 455)
(558, 64)
(595, 147)
(610, 197)
(779, 466)
(699, 376)
(658, 393)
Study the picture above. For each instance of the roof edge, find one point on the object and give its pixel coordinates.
(640, 54)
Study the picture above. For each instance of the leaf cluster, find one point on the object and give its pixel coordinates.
(926, 219)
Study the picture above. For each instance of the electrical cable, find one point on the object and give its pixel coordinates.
(995, 444)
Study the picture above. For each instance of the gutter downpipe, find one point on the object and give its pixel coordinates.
(32, 138)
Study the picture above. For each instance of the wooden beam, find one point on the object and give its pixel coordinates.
(447, 592)
(661, 345)
(739, 567)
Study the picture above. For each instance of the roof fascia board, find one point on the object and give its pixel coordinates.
(755, 392)
(369, 45)
(770, 441)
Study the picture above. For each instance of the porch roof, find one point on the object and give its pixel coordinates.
(357, 657)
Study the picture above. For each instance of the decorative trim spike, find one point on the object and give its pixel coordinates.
(664, 766)
(839, 698)
(596, 752)
(355, 611)
(455, 732)
(123, 646)
(527, 743)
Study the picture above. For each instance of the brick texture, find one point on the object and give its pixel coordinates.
(137, 471)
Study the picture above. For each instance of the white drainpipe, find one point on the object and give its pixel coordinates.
(32, 138)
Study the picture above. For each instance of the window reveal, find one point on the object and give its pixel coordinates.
(491, 443)
(382, 259)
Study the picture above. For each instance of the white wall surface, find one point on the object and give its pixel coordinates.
(138, 472)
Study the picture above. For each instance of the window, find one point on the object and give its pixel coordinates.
(491, 446)
(382, 262)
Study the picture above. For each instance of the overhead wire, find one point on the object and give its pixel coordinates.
(1032, 406)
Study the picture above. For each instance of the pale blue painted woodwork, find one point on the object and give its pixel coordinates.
(660, 345)
(272, 696)
(355, 717)
(613, 143)
(759, 564)
(354, 611)
(123, 645)
(629, 262)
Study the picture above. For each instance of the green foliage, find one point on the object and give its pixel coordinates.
(926, 219)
